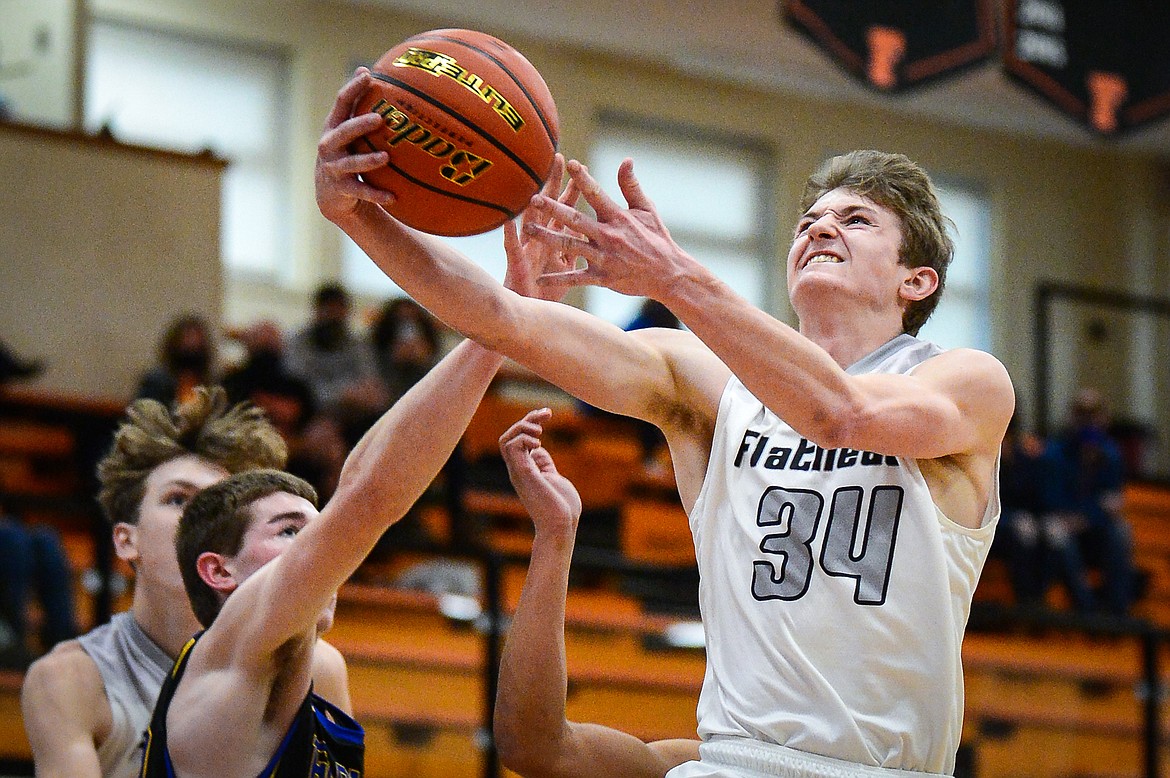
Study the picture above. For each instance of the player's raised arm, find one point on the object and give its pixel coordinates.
(383, 476)
(845, 249)
(591, 359)
(533, 736)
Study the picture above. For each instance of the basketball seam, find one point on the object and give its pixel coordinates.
(437, 190)
(464, 120)
(519, 84)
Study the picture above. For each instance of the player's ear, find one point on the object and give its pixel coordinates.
(919, 284)
(214, 572)
(126, 542)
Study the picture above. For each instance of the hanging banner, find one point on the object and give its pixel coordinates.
(891, 44)
(1104, 62)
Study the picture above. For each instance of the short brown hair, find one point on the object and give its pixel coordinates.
(216, 519)
(895, 182)
(236, 440)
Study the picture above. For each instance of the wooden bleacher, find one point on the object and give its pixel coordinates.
(416, 674)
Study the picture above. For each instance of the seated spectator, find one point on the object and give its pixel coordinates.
(1023, 463)
(1036, 539)
(337, 365)
(316, 442)
(652, 313)
(13, 368)
(405, 340)
(186, 359)
(33, 561)
(1090, 488)
(263, 380)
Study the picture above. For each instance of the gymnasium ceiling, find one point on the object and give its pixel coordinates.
(745, 41)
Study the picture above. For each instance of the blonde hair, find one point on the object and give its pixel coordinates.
(237, 439)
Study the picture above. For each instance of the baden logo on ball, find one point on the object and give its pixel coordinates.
(470, 126)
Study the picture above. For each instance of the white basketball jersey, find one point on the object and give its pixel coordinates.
(834, 593)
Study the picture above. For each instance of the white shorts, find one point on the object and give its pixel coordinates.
(743, 758)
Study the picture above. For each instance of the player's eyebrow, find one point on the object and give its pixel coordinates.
(848, 210)
(181, 483)
(288, 516)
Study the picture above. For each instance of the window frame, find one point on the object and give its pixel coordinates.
(762, 243)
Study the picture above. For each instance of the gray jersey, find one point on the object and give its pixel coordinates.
(834, 592)
(132, 668)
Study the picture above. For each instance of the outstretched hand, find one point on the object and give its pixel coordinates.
(550, 499)
(530, 260)
(626, 249)
(340, 193)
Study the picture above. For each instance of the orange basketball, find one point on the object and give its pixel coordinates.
(470, 126)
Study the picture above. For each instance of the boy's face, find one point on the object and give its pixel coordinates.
(276, 520)
(149, 545)
(849, 245)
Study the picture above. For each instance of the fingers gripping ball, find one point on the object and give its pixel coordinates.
(470, 126)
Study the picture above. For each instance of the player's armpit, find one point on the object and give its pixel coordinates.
(677, 751)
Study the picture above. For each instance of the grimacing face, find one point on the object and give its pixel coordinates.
(846, 259)
(845, 240)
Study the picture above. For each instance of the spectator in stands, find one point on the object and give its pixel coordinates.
(13, 368)
(263, 380)
(316, 441)
(405, 339)
(88, 702)
(532, 732)
(33, 560)
(186, 359)
(652, 313)
(1091, 479)
(337, 364)
(1036, 538)
(1021, 488)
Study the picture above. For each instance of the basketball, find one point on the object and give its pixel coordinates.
(470, 126)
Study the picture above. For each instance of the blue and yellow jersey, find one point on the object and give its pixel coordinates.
(322, 741)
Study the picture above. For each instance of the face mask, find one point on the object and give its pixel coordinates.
(193, 360)
(265, 360)
(328, 335)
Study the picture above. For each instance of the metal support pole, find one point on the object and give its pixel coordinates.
(1042, 379)
(1151, 714)
(493, 610)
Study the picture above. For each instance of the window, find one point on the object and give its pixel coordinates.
(711, 193)
(186, 94)
(963, 317)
